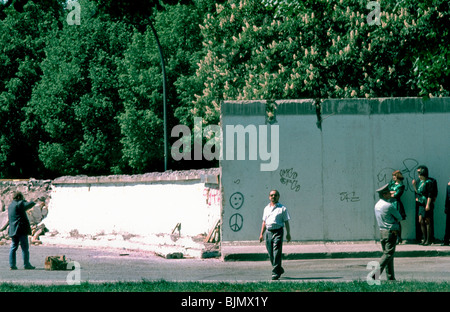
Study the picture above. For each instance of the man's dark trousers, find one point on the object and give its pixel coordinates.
(274, 245)
(447, 229)
(388, 241)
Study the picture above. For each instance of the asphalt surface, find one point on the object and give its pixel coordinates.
(111, 265)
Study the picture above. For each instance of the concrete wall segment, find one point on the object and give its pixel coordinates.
(327, 176)
(143, 205)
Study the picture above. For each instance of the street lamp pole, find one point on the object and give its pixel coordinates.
(166, 148)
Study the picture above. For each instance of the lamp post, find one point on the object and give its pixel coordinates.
(166, 149)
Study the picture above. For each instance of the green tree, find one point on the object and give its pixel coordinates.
(141, 84)
(22, 41)
(75, 104)
(320, 49)
(140, 90)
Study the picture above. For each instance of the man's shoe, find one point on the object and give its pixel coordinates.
(13, 268)
(275, 277)
(29, 267)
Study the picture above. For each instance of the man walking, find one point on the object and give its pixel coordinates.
(275, 218)
(388, 219)
(19, 229)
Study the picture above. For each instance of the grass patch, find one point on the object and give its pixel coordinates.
(166, 286)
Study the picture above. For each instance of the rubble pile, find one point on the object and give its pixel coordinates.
(33, 190)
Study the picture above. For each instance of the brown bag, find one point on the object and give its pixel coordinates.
(55, 263)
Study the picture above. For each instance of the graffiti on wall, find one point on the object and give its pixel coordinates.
(212, 195)
(236, 222)
(349, 197)
(288, 177)
(236, 201)
(408, 170)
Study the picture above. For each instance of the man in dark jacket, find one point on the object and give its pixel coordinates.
(19, 229)
(447, 221)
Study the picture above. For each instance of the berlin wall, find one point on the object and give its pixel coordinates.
(144, 205)
(331, 159)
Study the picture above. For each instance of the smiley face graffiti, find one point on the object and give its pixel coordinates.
(236, 200)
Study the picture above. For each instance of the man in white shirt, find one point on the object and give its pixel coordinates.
(275, 218)
(388, 219)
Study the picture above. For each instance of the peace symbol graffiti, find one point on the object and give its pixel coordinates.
(236, 222)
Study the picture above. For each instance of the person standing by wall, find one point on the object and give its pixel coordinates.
(388, 220)
(275, 218)
(397, 188)
(425, 203)
(447, 219)
(19, 229)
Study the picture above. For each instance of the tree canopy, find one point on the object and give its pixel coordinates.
(87, 98)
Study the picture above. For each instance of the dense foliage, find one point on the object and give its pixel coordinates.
(87, 98)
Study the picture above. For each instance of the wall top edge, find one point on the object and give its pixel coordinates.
(349, 106)
(202, 175)
(29, 181)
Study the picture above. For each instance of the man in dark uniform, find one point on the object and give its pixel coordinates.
(19, 229)
(447, 220)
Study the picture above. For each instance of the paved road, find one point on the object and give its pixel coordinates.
(107, 265)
